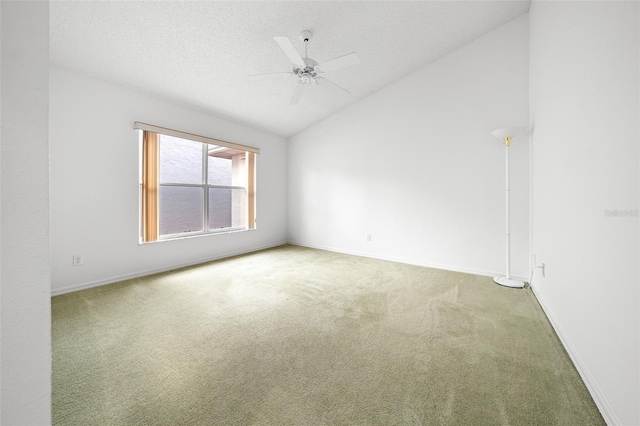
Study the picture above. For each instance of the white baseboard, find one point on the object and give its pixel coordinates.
(138, 274)
(598, 397)
(452, 268)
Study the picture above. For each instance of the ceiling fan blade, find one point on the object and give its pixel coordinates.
(271, 75)
(290, 51)
(297, 93)
(332, 83)
(340, 62)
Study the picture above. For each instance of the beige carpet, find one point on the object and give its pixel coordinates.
(296, 336)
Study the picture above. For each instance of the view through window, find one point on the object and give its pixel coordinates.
(190, 188)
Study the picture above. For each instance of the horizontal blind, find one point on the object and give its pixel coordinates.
(190, 136)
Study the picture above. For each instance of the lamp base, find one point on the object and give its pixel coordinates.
(508, 282)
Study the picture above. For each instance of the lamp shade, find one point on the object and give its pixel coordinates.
(507, 132)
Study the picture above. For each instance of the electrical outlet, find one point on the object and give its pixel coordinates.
(77, 260)
(368, 237)
(541, 266)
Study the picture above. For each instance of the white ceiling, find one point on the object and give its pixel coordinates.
(200, 52)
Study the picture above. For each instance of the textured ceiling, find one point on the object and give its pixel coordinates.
(200, 52)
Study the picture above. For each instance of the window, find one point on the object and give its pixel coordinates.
(192, 185)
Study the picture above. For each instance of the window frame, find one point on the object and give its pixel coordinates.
(150, 184)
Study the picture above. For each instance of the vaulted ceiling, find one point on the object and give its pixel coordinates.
(200, 53)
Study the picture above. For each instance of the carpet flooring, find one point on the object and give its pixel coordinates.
(298, 336)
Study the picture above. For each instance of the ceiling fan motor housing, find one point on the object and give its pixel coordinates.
(309, 73)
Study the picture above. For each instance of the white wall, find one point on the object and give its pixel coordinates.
(584, 116)
(25, 295)
(94, 183)
(414, 165)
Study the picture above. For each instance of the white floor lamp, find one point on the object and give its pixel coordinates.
(506, 134)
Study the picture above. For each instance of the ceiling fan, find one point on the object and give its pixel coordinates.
(306, 70)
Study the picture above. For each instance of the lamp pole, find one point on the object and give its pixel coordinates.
(506, 134)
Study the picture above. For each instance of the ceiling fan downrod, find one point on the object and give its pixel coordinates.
(305, 36)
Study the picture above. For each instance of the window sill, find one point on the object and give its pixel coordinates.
(174, 237)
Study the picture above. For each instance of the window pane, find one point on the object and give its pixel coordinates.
(180, 209)
(180, 160)
(220, 171)
(227, 166)
(227, 208)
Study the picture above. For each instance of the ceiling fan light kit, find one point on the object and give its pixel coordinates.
(307, 70)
